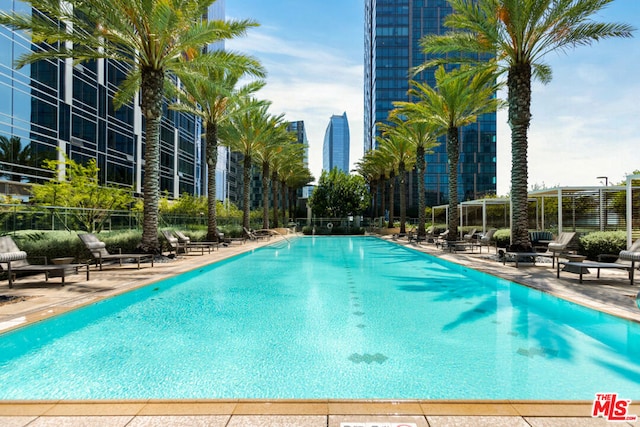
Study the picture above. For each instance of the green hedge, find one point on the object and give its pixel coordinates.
(602, 243)
(307, 230)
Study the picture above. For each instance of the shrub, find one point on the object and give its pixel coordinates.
(56, 244)
(502, 237)
(602, 242)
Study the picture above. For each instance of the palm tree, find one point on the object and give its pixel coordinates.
(248, 126)
(401, 151)
(156, 38)
(211, 96)
(366, 168)
(457, 100)
(295, 178)
(518, 34)
(287, 163)
(13, 155)
(271, 144)
(422, 131)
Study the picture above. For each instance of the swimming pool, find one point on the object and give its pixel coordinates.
(352, 317)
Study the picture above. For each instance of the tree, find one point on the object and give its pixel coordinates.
(338, 195)
(79, 189)
(518, 34)
(401, 152)
(422, 132)
(156, 38)
(13, 155)
(456, 101)
(245, 132)
(291, 172)
(271, 143)
(211, 96)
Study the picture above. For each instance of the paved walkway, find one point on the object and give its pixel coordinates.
(611, 293)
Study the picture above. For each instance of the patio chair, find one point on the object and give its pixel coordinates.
(487, 240)
(13, 260)
(187, 241)
(626, 261)
(256, 235)
(470, 236)
(559, 245)
(98, 250)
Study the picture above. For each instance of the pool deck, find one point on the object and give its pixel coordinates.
(611, 293)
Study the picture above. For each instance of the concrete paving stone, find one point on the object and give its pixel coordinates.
(278, 421)
(572, 422)
(180, 421)
(82, 421)
(15, 421)
(475, 421)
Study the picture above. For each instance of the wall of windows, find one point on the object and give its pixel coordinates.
(393, 29)
(54, 106)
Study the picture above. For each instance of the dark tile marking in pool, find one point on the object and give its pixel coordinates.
(358, 313)
(360, 325)
(537, 351)
(368, 358)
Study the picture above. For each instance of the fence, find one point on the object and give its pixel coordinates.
(19, 217)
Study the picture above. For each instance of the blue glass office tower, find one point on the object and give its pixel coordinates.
(55, 105)
(335, 151)
(393, 29)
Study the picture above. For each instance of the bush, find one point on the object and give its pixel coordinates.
(307, 230)
(502, 238)
(602, 242)
(56, 244)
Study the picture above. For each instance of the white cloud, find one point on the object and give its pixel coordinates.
(311, 83)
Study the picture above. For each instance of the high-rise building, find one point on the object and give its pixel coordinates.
(335, 151)
(54, 106)
(393, 29)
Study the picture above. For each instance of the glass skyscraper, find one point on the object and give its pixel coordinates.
(393, 29)
(335, 150)
(55, 106)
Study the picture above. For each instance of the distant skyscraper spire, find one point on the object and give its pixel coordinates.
(335, 151)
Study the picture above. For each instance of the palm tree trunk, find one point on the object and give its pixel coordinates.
(392, 179)
(152, 91)
(292, 201)
(519, 98)
(453, 153)
(284, 191)
(374, 194)
(421, 169)
(383, 197)
(265, 195)
(274, 186)
(246, 186)
(211, 136)
(402, 178)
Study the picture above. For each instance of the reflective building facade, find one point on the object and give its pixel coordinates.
(335, 150)
(53, 107)
(393, 29)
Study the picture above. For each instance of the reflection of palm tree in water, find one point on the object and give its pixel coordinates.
(13, 156)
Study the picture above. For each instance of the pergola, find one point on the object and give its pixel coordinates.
(599, 193)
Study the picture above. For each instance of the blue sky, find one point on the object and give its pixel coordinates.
(586, 121)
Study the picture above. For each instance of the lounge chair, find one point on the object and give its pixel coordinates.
(174, 242)
(256, 235)
(13, 260)
(626, 261)
(187, 240)
(98, 250)
(469, 237)
(560, 243)
(487, 240)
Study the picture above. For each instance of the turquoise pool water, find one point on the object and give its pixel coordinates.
(325, 318)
